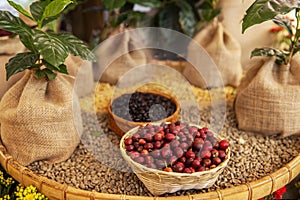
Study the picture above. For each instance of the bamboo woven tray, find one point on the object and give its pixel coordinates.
(53, 190)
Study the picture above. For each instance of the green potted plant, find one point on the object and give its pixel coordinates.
(40, 115)
(268, 97)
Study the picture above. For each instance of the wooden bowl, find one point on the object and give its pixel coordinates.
(121, 126)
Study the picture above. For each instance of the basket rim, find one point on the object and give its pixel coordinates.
(19, 172)
(176, 174)
(172, 98)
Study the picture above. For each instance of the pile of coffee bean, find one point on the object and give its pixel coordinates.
(143, 107)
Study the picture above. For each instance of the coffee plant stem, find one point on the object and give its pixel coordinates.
(294, 39)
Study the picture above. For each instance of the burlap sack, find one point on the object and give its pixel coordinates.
(268, 98)
(83, 72)
(9, 46)
(110, 49)
(225, 52)
(40, 120)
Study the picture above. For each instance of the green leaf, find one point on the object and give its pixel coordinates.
(209, 15)
(54, 9)
(50, 47)
(37, 9)
(75, 46)
(40, 74)
(50, 74)
(147, 3)
(134, 18)
(186, 18)
(264, 10)
(281, 56)
(13, 24)
(62, 68)
(20, 9)
(168, 17)
(113, 4)
(27, 41)
(20, 62)
(285, 23)
(116, 20)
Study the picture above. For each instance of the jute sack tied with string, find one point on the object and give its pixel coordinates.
(40, 120)
(225, 51)
(120, 65)
(268, 98)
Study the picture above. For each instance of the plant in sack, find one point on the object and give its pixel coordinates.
(40, 115)
(222, 47)
(268, 97)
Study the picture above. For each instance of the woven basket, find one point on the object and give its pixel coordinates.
(56, 191)
(121, 126)
(159, 182)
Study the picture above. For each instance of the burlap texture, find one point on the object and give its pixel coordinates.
(268, 98)
(9, 46)
(225, 52)
(119, 66)
(40, 120)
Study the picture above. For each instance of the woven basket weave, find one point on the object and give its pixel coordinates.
(54, 190)
(159, 182)
(121, 126)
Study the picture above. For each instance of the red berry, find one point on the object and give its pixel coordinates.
(160, 164)
(170, 136)
(198, 144)
(129, 147)
(148, 146)
(136, 137)
(148, 137)
(178, 167)
(144, 152)
(206, 162)
(196, 164)
(149, 159)
(172, 160)
(182, 159)
(190, 154)
(223, 144)
(174, 143)
(178, 152)
(140, 160)
(187, 170)
(133, 154)
(205, 154)
(214, 153)
(207, 145)
(204, 129)
(168, 169)
(155, 153)
(142, 141)
(200, 169)
(158, 136)
(128, 141)
(216, 160)
(222, 154)
(151, 165)
(184, 146)
(157, 145)
(166, 152)
(189, 161)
